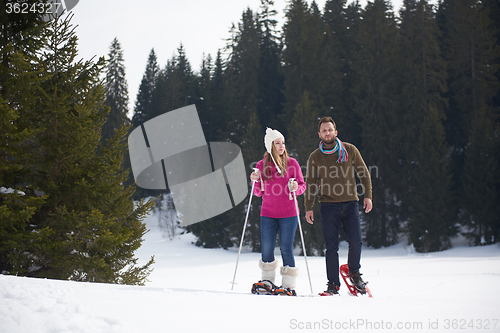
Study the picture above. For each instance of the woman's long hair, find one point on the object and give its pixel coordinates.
(282, 162)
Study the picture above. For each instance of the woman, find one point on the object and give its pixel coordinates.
(278, 213)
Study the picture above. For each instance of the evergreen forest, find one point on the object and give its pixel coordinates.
(416, 91)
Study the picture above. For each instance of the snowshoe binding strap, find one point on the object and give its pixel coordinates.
(263, 287)
(284, 291)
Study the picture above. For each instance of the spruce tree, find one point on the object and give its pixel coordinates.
(20, 80)
(143, 101)
(253, 149)
(116, 92)
(304, 38)
(481, 183)
(174, 87)
(470, 49)
(159, 98)
(218, 101)
(376, 94)
(302, 140)
(433, 223)
(210, 117)
(472, 62)
(423, 83)
(351, 121)
(88, 227)
(270, 79)
(242, 73)
(181, 88)
(335, 63)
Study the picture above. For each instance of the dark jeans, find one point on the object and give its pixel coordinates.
(332, 215)
(269, 228)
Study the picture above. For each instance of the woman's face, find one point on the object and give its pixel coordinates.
(279, 146)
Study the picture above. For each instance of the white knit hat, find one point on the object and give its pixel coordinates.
(270, 136)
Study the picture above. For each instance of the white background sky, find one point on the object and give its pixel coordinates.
(200, 25)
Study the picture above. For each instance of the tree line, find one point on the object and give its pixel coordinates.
(417, 93)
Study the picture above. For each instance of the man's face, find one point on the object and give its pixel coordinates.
(327, 133)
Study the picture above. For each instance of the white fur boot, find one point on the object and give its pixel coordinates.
(289, 277)
(268, 270)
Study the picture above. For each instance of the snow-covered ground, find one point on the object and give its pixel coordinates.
(190, 291)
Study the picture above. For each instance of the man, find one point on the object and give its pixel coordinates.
(330, 175)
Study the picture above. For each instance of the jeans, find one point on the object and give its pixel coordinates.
(269, 228)
(332, 214)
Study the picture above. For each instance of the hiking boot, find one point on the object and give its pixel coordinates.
(358, 282)
(332, 290)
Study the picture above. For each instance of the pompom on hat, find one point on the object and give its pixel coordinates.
(270, 136)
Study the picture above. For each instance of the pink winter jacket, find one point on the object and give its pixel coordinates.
(276, 202)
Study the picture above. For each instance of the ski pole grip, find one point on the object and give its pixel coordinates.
(290, 187)
(257, 171)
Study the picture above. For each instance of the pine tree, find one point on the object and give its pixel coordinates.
(252, 147)
(351, 124)
(175, 86)
(470, 50)
(270, 78)
(219, 103)
(88, 228)
(304, 38)
(335, 62)
(423, 83)
(472, 62)
(376, 66)
(117, 99)
(303, 130)
(301, 141)
(242, 73)
(433, 223)
(116, 92)
(181, 89)
(20, 79)
(210, 117)
(481, 181)
(144, 96)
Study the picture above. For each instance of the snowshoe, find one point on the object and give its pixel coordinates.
(332, 290)
(284, 291)
(354, 282)
(263, 287)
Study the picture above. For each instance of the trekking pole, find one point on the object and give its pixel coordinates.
(301, 233)
(243, 233)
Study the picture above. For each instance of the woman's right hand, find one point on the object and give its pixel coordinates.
(254, 176)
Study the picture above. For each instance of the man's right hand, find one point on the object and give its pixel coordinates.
(310, 216)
